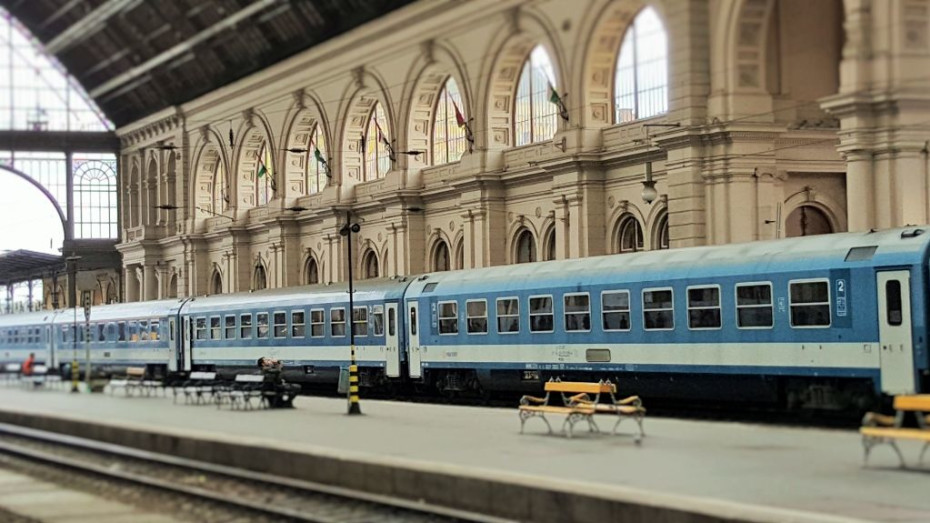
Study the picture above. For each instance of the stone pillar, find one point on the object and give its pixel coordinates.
(687, 195)
(149, 283)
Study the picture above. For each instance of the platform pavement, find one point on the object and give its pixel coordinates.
(52, 503)
(812, 471)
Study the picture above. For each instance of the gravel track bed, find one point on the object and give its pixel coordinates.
(323, 506)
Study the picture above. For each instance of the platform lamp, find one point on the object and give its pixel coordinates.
(347, 230)
(649, 185)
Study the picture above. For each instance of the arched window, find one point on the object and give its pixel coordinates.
(630, 236)
(220, 189)
(377, 154)
(312, 272)
(641, 86)
(95, 196)
(661, 236)
(173, 286)
(317, 173)
(549, 252)
(534, 113)
(264, 176)
(448, 136)
(526, 247)
(460, 256)
(441, 257)
(261, 281)
(807, 220)
(370, 264)
(217, 285)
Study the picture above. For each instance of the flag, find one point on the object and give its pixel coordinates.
(383, 139)
(319, 158)
(460, 120)
(557, 100)
(262, 171)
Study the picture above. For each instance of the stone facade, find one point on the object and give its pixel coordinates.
(784, 117)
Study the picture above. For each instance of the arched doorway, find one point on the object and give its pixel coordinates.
(525, 251)
(312, 271)
(807, 220)
(441, 260)
(370, 265)
(260, 280)
(217, 285)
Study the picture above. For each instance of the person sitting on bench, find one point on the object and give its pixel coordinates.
(284, 393)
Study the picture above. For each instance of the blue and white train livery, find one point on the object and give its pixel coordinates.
(822, 321)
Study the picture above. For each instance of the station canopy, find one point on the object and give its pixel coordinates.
(136, 57)
(22, 265)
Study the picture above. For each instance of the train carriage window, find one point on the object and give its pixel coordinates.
(229, 332)
(280, 325)
(377, 320)
(154, 326)
(577, 312)
(810, 303)
(542, 318)
(658, 309)
(245, 326)
(392, 322)
(121, 331)
(360, 320)
(448, 317)
(317, 323)
(200, 328)
(337, 322)
(298, 324)
(893, 303)
(171, 328)
(101, 332)
(615, 310)
(413, 321)
(508, 315)
(144, 330)
(704, 307)
(64, 335)
(214, 327)
(754, 306)
(261, 325)
(476, 313)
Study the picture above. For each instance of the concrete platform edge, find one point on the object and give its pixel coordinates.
(505, 495)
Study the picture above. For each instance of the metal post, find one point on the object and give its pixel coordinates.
(72, 298)
(87, 337)
(354, 407)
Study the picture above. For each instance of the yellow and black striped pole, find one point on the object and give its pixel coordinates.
(354, 406)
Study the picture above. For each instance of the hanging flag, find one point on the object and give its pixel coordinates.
(262, 171)
(231, 141)
(557, 100)
(319, 158)
(383, 139)
(460, 120)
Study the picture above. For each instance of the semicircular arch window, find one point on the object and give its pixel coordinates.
(641, 82)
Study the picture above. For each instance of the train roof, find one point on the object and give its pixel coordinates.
(119, 311)
(365, 290)
(901, 246)
(26, 318)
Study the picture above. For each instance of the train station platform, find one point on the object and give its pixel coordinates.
(683, 471)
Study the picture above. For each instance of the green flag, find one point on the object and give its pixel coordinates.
(261, 170)
(319, 158)
(557, 100)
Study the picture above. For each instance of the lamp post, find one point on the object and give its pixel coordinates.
(72, 297)
(347, 230)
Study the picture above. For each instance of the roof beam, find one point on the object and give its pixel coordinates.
(88, 25)
(182, 47)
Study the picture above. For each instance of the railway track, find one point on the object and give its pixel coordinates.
(255, 496)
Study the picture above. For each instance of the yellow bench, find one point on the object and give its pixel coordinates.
(581, 401)
(880, 428)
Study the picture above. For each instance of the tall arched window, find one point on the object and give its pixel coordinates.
(312, 272)
(549, 252)
(807, 220)
(217, 284)
(534, 113)
(220, 189)
(173, 286)
(95, 196)
(316, 161)
(526, 247)
(377, 155)
(264, 176)
(641, 86)
(370, 264)
(441, 257)
(261, 280)
(630, 235)
(661, 236)
(448, 136)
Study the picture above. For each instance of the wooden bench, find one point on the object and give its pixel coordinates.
(244, 389)
(581, 401)
(880, 428)
(199, 388)
(131, 381)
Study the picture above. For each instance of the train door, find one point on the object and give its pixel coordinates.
(414, 337)
(174, 362)
(894, 330)
(187, 335)
(392, 356)
(50, 336)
